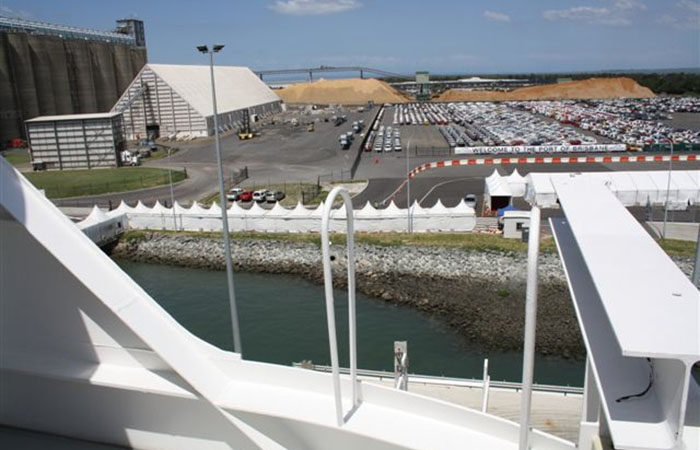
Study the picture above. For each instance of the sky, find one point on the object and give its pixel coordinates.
(441, 36)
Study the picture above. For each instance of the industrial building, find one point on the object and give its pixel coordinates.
(175, 100)
(77, 141)
(50, 69)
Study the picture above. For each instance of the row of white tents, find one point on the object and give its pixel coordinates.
(639, 188)
(296, 220)
(635, 188)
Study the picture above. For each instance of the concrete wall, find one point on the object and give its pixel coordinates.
(46, 75)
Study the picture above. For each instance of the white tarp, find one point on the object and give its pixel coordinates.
(299, 219)
(634, 188)
(495, 185)
(516, 183)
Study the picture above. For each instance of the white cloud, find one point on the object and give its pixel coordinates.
(629, 4)
(617, 13)
(501, 17)
(690, 5)
(21, 14)
(685, 17)
(313, 7)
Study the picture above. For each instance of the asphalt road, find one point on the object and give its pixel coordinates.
(451, 184)
(286, 154)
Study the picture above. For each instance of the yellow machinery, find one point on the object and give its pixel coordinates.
(245, 132)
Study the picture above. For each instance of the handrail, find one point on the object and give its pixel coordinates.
(330, 305)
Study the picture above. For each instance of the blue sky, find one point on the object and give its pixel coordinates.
(443, 36)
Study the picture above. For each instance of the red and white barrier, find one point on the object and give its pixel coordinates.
(550, 160)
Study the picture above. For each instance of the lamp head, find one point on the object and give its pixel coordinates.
(217, 47)
(203, 48)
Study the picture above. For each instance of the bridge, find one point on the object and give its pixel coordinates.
(327, 69)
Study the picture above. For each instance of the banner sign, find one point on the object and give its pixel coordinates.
(584, 148)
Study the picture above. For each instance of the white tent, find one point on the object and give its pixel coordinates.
(516, 183)
(496, 188)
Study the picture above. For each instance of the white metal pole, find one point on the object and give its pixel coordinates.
(486, 385)
(172, 195)
(408, 187)
(224, 219)
(668, 190)
(696, 268)
(533, 250)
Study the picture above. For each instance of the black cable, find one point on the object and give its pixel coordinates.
(641, 394)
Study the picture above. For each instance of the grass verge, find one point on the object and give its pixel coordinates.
(17, 156)
(480, 242)
(78, 183)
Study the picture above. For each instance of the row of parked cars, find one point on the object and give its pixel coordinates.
(488, 123)
(420, 114)
(635, 122)
(385, 139)
(238, 194)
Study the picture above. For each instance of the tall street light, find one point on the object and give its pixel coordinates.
(222, 201)
(172, 194)
(408, 188)
(668, 189)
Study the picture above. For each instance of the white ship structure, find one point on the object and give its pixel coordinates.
(86, 353)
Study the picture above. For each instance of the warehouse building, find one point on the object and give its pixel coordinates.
(76, 141)
(175, 101)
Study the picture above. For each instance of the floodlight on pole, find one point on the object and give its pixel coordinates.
(222, 200)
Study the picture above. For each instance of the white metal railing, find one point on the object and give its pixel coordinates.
(472, 383)
(330, 305)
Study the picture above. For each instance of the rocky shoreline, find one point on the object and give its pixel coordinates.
(479, 293)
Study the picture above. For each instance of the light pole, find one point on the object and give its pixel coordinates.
(222, 201)
(668, 190)
(408, 187)
(172, 195)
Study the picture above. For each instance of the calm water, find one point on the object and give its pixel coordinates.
(283, 321)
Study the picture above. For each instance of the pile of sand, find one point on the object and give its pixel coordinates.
(354, 91)
(592, 88)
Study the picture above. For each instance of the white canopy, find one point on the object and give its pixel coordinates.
(516, 183)
(635, 188)
(497, 186)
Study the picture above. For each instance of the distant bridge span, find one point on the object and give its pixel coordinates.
(323, 69)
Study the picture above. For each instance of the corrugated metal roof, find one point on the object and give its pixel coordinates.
(107, 115)
(236, 87)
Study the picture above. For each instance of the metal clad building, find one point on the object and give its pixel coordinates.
(78, 141)
(176, 100)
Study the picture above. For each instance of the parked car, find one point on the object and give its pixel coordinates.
(234, 194)
(245, 196)
(470, 200)
(260, 196)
